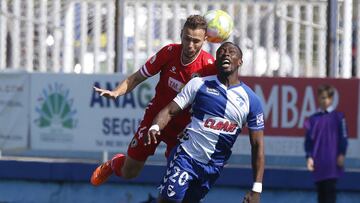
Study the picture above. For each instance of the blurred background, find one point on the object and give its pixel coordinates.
(54, 130)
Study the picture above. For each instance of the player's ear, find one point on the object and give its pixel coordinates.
(181, 33)
(240, 62)
(205, 37)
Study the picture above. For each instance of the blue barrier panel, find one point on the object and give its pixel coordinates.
(152, 174)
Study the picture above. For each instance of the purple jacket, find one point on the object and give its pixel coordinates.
(326, 138)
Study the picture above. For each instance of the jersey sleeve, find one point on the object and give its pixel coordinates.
(255, 118)
(154, 64)
(187, 94)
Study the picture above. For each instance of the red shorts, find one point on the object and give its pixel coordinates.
(169, 135)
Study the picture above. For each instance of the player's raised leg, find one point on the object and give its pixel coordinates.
(104, 171)
(123, 166)
(129, 166)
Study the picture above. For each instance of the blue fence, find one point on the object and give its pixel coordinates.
(69, 182)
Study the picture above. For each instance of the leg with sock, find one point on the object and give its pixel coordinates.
(105, 170)
(117, 163)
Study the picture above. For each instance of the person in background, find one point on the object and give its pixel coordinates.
(325, 145)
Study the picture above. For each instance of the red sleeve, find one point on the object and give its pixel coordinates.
(209, 65)
(154, 64)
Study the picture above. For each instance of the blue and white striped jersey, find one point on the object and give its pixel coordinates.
(218, 114)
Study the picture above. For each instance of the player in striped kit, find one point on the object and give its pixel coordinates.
(221, 106)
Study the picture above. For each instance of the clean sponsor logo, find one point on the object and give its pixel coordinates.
(260, 119)
(212, 91)
(194, 75)
(173, 69)
(175, 84)
(55, 108)
(133, 143)
(56, 114)
(220, 125)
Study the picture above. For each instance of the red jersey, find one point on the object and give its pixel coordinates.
(174, 75)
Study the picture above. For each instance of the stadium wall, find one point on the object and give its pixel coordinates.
(97, 124)
(55, 112)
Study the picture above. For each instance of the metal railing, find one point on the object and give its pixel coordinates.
(278, 38)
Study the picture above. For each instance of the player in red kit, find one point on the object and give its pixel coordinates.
(177, 64)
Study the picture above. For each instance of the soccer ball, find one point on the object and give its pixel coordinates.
(220, 25)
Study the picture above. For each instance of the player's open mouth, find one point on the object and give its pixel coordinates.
(226, 63)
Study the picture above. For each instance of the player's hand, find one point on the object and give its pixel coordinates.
(310, 164)
(106, 93)
(252, 197)
(151, 136)
(340, 161)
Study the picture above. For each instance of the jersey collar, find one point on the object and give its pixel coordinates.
(227, 88)
(328, 110)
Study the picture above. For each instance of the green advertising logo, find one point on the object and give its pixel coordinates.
(56, 108)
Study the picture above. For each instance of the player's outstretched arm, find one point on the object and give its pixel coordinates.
(124, 87)
(258, 164)
(160, 121)
(257, 154)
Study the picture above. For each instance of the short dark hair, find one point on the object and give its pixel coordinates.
(196, 22)
(328, 89)
(235, 45)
